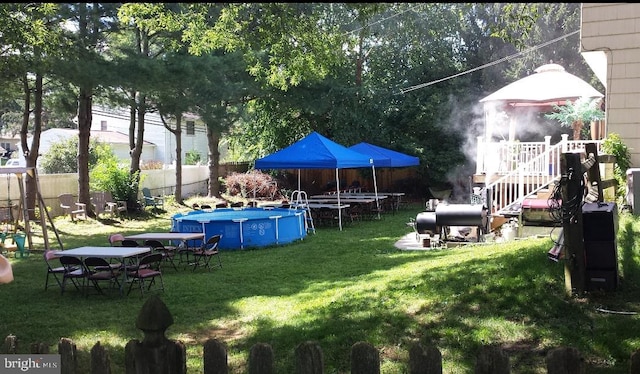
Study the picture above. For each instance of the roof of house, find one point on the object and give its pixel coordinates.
(111, 137)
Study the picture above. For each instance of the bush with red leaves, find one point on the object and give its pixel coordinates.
(252, 184)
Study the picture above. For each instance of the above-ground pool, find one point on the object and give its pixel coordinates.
(244, 227)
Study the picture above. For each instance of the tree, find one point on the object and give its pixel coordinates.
(32, 40)
(62, 156)
(576, 113)
(91, 24)
(153, 34)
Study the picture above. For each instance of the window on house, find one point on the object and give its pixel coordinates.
(191, 128)
(6, 146)
(103, 125)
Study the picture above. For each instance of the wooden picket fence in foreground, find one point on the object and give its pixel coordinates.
(159, 355)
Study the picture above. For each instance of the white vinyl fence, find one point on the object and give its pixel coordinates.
(160, 182)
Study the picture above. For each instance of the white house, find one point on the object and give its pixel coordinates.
(119, 142)
(163, 141)
(111, 126)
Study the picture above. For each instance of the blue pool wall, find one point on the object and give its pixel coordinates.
(257, 231)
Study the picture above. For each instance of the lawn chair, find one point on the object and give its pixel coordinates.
(102, 202)
(71, 207)
(114, 207)
(149, 200)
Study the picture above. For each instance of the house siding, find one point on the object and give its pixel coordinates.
(155, 132)
(615, 29)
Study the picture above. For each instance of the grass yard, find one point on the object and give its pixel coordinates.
(338, 288)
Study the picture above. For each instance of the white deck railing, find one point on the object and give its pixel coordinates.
(523, 168)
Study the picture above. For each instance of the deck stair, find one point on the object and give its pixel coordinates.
(530, 179)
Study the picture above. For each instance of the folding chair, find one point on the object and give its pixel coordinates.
(52, 270)
(99, 271)
(167, 253)
(203, 255)
(115, 239)
(147, 270)
(75, 272)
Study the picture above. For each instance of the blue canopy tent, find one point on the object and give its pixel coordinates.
(316, 152)
(383, 157)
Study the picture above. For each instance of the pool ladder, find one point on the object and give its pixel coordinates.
(299, 200)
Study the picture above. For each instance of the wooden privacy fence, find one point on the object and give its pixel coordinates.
(158, 355)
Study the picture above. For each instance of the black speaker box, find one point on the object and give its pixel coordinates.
(601, 255)
(599, 221)
(601, 280)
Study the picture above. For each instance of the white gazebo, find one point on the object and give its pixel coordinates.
(550, 85)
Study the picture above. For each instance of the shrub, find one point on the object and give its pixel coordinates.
(62, 157)
(252, 184)
(613, 145)
(192, 157)
(110, 176)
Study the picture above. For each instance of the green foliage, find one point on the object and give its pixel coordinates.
(583, 109)
(109, 176)
(613, 145)
(62, 157)
(192, 157)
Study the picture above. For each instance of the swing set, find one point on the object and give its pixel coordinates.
(15, 224)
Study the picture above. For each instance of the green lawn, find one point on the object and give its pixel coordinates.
(341, 287)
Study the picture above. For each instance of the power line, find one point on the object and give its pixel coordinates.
(382, 20)
(511, 57)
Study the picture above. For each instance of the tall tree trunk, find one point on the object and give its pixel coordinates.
(85, 99)
(577, 129)
(136, 152)
(178, 135)
(213, 138)
(31, 153)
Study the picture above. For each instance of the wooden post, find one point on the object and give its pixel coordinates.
(68, 356)
(572, 197)
(565, 360)
(215, 357)
(100, 360)
(424, 360)
(492, 360)
(593, 173)
(261, 359)
(309, 358)
(155, 354)
(10, 344)
(365, 359)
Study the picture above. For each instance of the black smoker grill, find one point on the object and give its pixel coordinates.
(446, 215)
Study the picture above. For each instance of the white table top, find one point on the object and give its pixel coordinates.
(166, 236)
(313, 205)
(331, 200)
(106, 252)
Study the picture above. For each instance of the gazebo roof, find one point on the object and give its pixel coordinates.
(549, 85)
